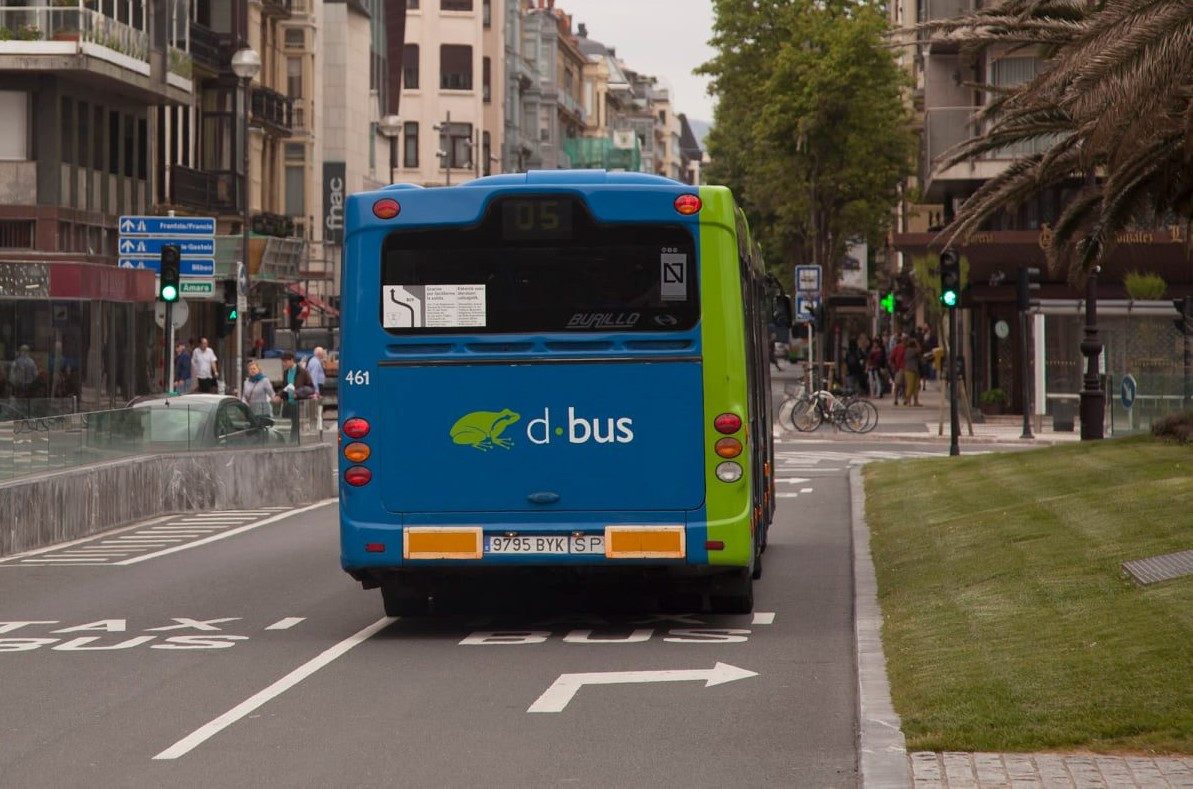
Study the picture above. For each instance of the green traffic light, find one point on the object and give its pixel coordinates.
(169, 293)
(949, 297)
(232, 315)
(888, 302)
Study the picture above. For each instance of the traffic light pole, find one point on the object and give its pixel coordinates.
(1026, 369)
(169, 346)
(954, 420)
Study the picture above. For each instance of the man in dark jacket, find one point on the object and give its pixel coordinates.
(296, 385)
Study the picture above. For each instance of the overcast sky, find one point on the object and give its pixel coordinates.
(663, 38)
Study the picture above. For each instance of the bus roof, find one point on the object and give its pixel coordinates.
(565, 178)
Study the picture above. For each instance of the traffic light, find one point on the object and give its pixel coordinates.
(950, 278)
(888, 303)
(171, 270)
(1184, 306)
(295, 306)
(1029, 280)
(228, 312)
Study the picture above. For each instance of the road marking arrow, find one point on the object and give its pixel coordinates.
(556, 697)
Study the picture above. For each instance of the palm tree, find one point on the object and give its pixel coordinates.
(1113, 102)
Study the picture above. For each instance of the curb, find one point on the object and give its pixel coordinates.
(882, 751)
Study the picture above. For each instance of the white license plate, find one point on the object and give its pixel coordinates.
(546, 544)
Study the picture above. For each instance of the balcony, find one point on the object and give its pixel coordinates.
(936, 11)
(202, 190)
(209, 50)
(274, 110)
(278, 9)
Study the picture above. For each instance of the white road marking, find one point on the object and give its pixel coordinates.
(793, 480)
(786, 495)
(287, 623)
(805, 490)
(556, 697)
(764, 617)
(80, 541)
(225, 534)
(205, 732)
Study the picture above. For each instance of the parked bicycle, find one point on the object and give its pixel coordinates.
(809, 410)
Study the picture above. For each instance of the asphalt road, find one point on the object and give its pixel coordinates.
(251, 659)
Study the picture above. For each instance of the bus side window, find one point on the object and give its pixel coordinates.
(782, 311)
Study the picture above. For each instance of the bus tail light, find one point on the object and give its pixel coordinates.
(729, 471)
(375, 547)
(357, 476)
(357, 452)
(386, 208)
(356, 428)
(728, 447)
(687, 204)
(727, 423)
(714, 545)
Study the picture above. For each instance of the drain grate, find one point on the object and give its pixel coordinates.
(1160, 568)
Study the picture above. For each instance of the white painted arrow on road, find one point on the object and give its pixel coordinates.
(556, 697)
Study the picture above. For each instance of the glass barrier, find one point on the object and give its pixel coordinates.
(53, 441)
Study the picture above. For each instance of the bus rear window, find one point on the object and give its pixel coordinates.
(539, 264)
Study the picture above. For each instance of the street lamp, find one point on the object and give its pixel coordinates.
(246, 64)
(389, 126)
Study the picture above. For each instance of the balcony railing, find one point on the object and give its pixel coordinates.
(273, 108)
(208, 48)
(59, 23)
(276, 8)
(936, 10)
(202, 189)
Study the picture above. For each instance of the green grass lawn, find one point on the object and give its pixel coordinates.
(1009, 623)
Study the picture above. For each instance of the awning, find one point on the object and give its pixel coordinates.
(313, 300)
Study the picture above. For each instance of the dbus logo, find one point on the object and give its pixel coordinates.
(485, 430)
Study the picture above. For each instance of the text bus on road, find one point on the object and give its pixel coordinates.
(554, 369)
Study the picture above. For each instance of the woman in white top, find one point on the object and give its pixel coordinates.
(257, 392)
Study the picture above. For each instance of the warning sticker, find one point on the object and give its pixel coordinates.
(673, 276)
(433, 306)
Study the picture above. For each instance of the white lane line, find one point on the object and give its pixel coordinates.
(63, 560)
(287, 623)
(225, 534)
(782, 495)
(805, 490)
(205, 732)
(764, 617)
(81, 540)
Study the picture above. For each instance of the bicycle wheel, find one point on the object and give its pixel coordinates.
(861, 416)
(805, 415)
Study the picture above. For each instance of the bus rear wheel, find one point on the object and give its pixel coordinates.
(733, 594)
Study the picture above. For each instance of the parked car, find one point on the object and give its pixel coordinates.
(194, 421)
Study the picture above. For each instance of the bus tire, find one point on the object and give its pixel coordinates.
(757, 573)
(403, 601)
(735, 595)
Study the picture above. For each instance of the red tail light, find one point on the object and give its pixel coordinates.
(687, 204)
(357, 476)
(375, 547)
(725, 423)
(386, 208)
(356, 428)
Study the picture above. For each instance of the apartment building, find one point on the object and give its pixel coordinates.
(79, 85)
(946, 96)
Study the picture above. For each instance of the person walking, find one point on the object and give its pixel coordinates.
(205, 367)
(182, 369)
(911, 373)
(895, 357)
(876, 366)
(296, 385)
(257, 392)
(315, 370)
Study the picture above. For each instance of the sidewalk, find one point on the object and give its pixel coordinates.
(930, 421)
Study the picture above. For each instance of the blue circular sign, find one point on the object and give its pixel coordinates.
(1127, 391)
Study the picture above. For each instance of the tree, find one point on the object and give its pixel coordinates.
(811, 130)
(1113, 101)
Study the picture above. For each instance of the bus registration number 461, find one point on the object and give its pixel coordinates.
(546, 544)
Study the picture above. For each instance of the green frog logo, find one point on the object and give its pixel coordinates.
(483, 429)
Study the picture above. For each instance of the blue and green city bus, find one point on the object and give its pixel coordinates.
(556, 369)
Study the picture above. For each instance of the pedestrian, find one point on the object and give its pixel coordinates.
(296, 386)
(23, 373)
(876, 367)
(182, 369)
(911, 373)
(205, 367)
(315, 370)
(853, 367)
(773, 341)
(895, 358)
(257, 392)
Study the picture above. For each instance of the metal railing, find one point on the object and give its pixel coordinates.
(55, 441)
(72, 23)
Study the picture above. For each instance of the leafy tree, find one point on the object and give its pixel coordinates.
(811, 130)
(1114, 104)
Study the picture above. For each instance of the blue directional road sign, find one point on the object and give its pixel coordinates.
(167, 226)
(189, 267)
(805, 306)
(152, 247)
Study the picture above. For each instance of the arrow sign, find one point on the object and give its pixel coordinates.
(152, 247)
(556, 697)
(168, 225)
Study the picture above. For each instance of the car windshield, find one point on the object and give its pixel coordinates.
(174, 422)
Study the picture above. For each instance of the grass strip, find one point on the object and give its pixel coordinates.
(1008, 622)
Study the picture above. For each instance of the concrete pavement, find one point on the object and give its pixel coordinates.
(883, 757)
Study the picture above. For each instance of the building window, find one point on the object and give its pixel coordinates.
(412, 4)
(16, 234)
(487, 12)
(295, 152)
(455, 5)
(410, 67)
(455, 139)
(487, 152)
(296, 190)
(455, 67)
(410, 143)
(486, 76)
(569, 77)
(295, 38)
(294, 77)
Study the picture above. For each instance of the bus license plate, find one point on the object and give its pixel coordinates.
(560, 544)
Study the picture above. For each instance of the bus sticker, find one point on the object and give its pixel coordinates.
(434, 306)
(673, 276)
(401, 309)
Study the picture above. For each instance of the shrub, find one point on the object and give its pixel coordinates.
(1144, 287)
(1175, 427)
(994, 396)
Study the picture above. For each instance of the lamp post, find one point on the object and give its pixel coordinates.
(389, 126)
(246, 64)
(1092, 398)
